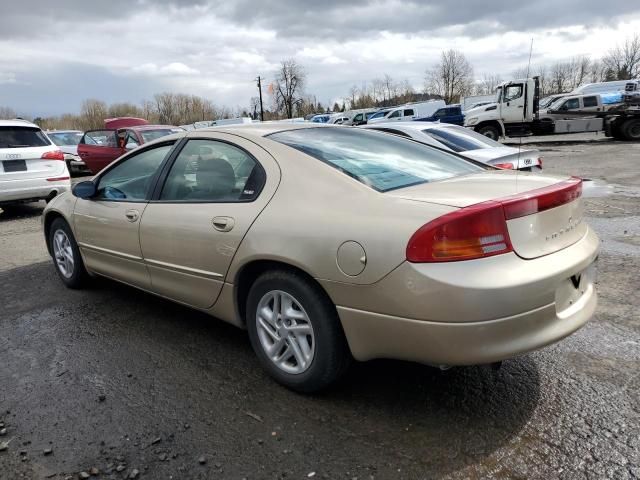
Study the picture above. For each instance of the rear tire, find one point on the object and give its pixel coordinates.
(631, 129)
(289, 318)
(66, 255)
(490, 131)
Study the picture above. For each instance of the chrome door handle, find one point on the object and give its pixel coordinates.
(223, 224)
(132, 215)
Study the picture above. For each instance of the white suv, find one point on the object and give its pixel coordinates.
(31, 166)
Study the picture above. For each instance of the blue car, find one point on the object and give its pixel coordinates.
(451, 114)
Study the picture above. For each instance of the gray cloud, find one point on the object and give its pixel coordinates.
(54, 54)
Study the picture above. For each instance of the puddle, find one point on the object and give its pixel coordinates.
(619, 235)
(597, 188)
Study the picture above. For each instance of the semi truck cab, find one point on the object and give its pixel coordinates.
(515, 108)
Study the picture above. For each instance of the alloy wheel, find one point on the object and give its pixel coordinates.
(63, 253)
(285, 332)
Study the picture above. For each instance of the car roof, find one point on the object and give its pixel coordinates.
(414, 125)
(64, 131)
(17, 122)
(149, 127)
(263, 129)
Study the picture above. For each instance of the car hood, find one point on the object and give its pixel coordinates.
(471, 189)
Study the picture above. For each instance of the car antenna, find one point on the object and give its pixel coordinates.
(523, 110)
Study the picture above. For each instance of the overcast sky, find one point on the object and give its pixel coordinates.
(54, 54)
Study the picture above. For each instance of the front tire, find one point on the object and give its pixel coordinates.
(295, 331)
(66, 255)
(490, 131)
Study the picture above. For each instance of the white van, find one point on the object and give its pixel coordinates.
(407, 112)
(602, 87)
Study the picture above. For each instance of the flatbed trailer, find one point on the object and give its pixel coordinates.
(621, 122)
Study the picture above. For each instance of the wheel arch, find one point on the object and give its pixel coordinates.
(491, 123)
(49, 218)
(248, 273)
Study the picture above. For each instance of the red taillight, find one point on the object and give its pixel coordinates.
(541, 199)
(481, 230)
(507, 166)
(53, 155)
(540, 161)
(471, 232)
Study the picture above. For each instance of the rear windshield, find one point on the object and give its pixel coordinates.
(383, 162)
(63, 139)
(150, 135)
(460, 139)
(20, 137)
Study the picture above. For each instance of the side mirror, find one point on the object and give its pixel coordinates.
(84, 190)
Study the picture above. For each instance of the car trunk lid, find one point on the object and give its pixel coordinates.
(544, 214)
(27, 163)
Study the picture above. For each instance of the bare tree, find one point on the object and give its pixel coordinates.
(165, 107)
(597, 71)
(578, 71)
(92, 114)
(389, 87)
(624, 60)
(488, 84)
(124, 109)
(406, 92)
(451, 77)
(7, 113)
(288, 86)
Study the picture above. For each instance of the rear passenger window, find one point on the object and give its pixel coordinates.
(408, 113)
(395, 114)
(213, 171)
(590, 101)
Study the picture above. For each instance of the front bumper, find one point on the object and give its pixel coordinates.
(472, 312)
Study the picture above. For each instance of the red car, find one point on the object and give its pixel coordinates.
(98, 148)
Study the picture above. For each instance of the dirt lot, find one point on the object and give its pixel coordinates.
(118, 380)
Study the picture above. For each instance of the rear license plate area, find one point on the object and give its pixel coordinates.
(572, 289)
(14, 166)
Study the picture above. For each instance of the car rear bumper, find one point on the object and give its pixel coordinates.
(39, 188)
(371, 335)
(472, 312)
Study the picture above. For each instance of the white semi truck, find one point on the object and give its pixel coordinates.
(516, 113)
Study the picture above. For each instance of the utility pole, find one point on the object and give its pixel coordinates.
(260, 91)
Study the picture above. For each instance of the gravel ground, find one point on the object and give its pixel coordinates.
(117, 380)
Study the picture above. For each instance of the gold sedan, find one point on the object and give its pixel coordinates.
(330, 243)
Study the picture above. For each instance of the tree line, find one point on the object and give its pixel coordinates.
(450, 78)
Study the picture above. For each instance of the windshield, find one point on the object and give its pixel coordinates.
(379, 114)
(555, 103)
(63, 139)
(21, 137)
(150, 135)
(380, 161)
(460, 139)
